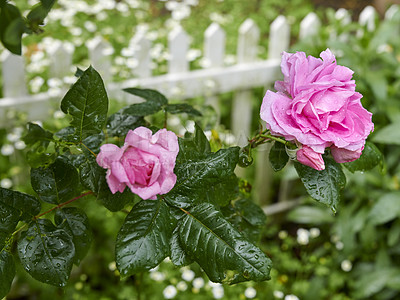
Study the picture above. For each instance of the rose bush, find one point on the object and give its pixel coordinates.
(145, 163)
(316, 106)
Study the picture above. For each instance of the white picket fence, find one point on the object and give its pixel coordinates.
(180, 82)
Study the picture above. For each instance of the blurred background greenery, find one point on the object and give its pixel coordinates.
(354, 254)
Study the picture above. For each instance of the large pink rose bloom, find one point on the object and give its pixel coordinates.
(145, 163)
(317, 106)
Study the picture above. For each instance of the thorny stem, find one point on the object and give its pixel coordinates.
(88, 149)
(63, 204)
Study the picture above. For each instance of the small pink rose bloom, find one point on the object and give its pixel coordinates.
(309, 157)
(145, 163)
(316, 105)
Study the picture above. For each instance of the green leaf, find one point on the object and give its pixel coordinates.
(113, 202)
(389, 134)
(143, 241)
(178, 256)
(223, 253)
(10, 14)
(371, 283)
(370, 158)
(7, 272)
(197, 179)
(155, 101)
(91, 174)
(87, 103)
(386, 209)
(36, 135)
(120, 123)
(48, 3)
(310, 215)
(182, 108)
(17, 203)
(74, 221)
(278, 156)
(57, 183)
(323, 186)
(47, 252)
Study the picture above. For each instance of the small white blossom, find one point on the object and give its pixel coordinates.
(157, 276)
(279, 294)
(112, 266)
(218, 292)
(339, 245)
(7, 150)
(181, 286)
(346, 265)
(188, 275)
(19, 145)
(303, 236)
(6, 183)
(169, 292)
(250, 292)
(315, 232)
(198, 283)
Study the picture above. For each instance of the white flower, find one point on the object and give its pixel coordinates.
(90, 26)
(7, 150)
(346, 265)
(339, 245)
(54, 82)
(188, 275)
(19, 145)
(181, 286)
(112, 266)
(6, 183)
(250, 292)
(36, 83)
(279, 294)
(198, 283)
(193, 54)
(169, 292)
(157, 276)
(218, 291)
(303, 236)
(75, 31)
(315, 232)
(291, 297)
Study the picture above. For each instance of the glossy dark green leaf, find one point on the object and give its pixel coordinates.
(113, 202)
(37, 135)
(57, 183)
(247, 217)
(193, 147)
(48, 3)
(13, 33)
(47, 252)
(143, 241)
(370, 158)
(178, 256)
(74, 221)
(182, 108)
(91, 174)
(385, 209)
(323, 186)
(17, 203)
(310, 215)
(278, 156)
(199, 179)
(7, 272)
(120, 123)
(155, 101)
(223, 253)
(87, 103)
(200, 140)
(9, 14)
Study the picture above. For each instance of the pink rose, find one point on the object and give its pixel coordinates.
(145, 163)
(316, 105)
(309, 157)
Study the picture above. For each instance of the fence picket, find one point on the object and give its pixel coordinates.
(178, 43)
(99, 54)
(13, 72)
(214, 53)
(61, 60)
(367, 18)
(142, 46)
(309, 26)
(279, 37)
